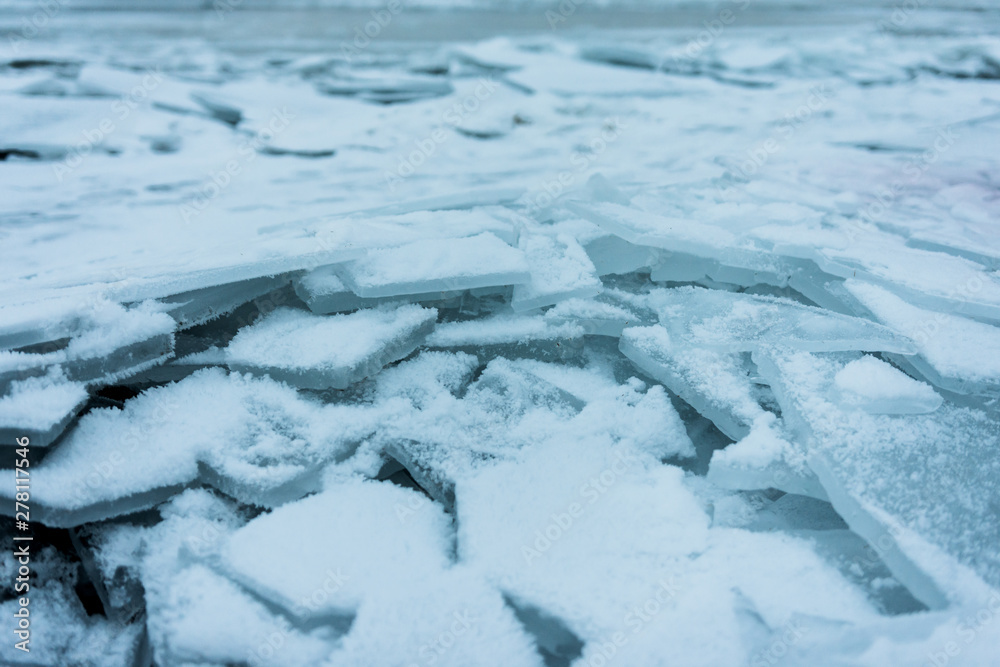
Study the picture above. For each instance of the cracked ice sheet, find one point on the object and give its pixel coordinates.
(320, 351)
(719, 387)
(196, 615)
(730, 322)
(117, 261)
(956, 353)
(935, 280)
(719, 243)
(560, 269)
(97, 328)
(604, 315)
(510, 408)
(508, 334)
(39, 408)
(920, 488)
(435, 266)
(555, 540)
(356, 530)
(454, 619)
(62, 632)
(255, 438)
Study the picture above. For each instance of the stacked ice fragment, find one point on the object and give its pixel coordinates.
(473, 448)
(457, 419)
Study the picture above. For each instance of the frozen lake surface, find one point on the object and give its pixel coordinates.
(402, 335)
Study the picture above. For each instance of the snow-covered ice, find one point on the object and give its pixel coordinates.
(579, 334)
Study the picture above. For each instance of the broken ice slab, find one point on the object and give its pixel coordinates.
(40, 321)
(510, 406)
(110, 343)
(510, 335)
(722, 387)
(49, 128)
(209, 619)
(774, 270)
(454, 618)
(613, 254)
(933, 280)
(955, 353)
(558, 543)
(921, 489)
(766, 458)
(518, 543)
(449, 438)
(696, 249)
(435, 265)
(324, 292)
(387, 89)
(194, 614)
(271, 472)
(62, 631)
(717, 384)
(48, 324)
(876, 387)
(976, 239)
(486, 199)
(40, 408)
(201, 305)
(110, 553)
(350, 541)
(607, 314)
(816, 521)
(257, 435)
(317, 352)
(560, 269)
(731, 322)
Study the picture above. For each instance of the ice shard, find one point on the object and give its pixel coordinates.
(511, 335)
(954, 352)
(730, 322)
(234, 430)
(898, 480)
(40, 408)
(717, 384)
(439, 265)
(560, 269)
(318, 352)
(354, 551)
